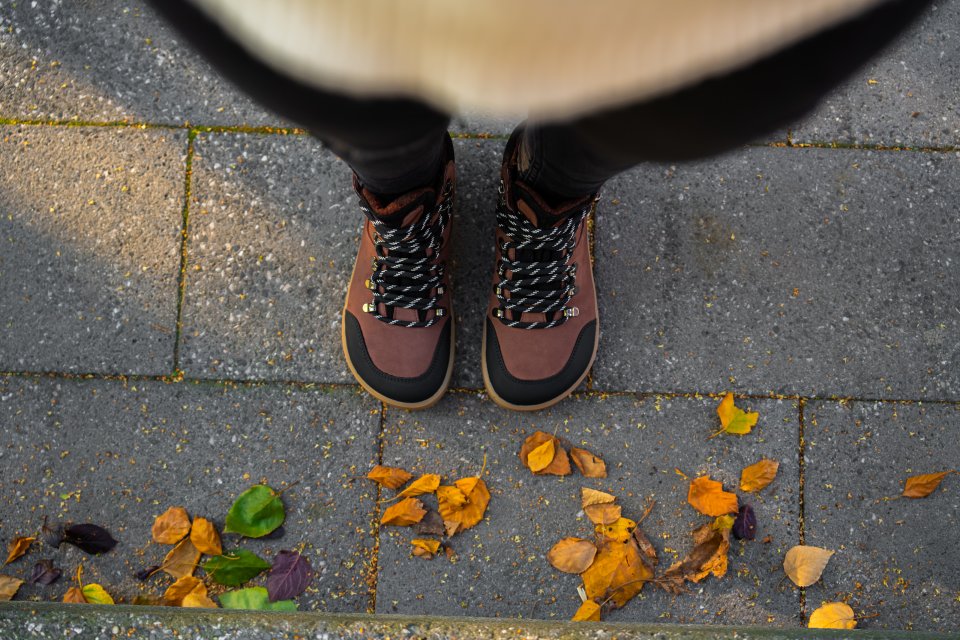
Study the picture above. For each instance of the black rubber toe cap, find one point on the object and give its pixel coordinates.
(533, 392)
(406, 390)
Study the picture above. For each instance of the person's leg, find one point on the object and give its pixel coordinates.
(541, 329)
(569, 160)
(397, 329)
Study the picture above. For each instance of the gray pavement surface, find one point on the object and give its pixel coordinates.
(169, 334)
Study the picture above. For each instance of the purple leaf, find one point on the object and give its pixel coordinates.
(45, 573)
(144, 574)
(430, 525)
(289, 577)
(89, 537)
(745, 526)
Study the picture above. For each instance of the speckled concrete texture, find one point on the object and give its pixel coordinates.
(800, 271)
(906, 97)
(501, 568)
(91, 222)
(105, 60)
(897, 559)
(118, 454)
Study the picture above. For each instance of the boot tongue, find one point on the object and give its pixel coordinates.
(535, 209)
(401, 211)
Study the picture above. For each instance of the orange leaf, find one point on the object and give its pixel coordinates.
(572, 555)
(74, 595)
(619, 531)
(541, 457)
(560, 466)
(804, 565)
(182, 559)
(833, 615)
(205, 538)
(589, 611)
(427, 483)
(404, 513)
(390, 477)
(603, 513)
(759, 475)
(630, 575)
(175, 593)
(590, 465)
(733, 419)
(171, 526)
(708, 497)
(199, 600)
(17, 548)
(478, 497)
(425, 547)
(592, 496)
(923, 485)
(450, 500)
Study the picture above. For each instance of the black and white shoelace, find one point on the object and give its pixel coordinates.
(407, 271)
(540, 279)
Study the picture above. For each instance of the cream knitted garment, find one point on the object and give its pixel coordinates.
(546, 57)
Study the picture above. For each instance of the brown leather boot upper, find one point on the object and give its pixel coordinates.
(539, 338)
(397, 319)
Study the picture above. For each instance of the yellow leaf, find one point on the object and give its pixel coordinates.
(425, 547)
(733, 419)
(175, 593)
(404, 513)
(390, 477)
(198, 600)
(541, 457)
(205, 538)
(74, 595)
(9, 587)
(723, 523)
(18, 547)
(603, 513)
(559, 466)
(630, 575)
(171, 526)
(592, 496)
(804, 565)
(758, 475)
(923, 485)
(589, 611)
(708, 497)
(95, 594)
(832, 615)
(182, 559)
(427, 483)
(619, 531)
(572, 555)
(590, 465)
(478, 497)
(597, 577)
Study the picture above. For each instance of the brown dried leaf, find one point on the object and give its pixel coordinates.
(74, 595)
(425, 547)
(590, 465)
(603, 513)
(171, 526)
(431, 524)
(592, 496)
(205, 538)
(589, 611)
(708, 556)
(572, 555)
(175, 593)
(647, 550)
(708, 497)
(450, 527)
(17, 548)
(560, 466)
(427, 483)
(404, 513)
(758, 475)
(182, 560)
(9, 587)
(804, 565)
(541, 457)
(390, 477)
(923, 485)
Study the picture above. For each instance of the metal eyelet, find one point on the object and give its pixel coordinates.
(439, 312)
(369, 285)
(571, 312)
(368, 308)
(498, 313)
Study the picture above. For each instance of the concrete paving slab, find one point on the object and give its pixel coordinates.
(91, 222)
(908, 96)
(897, 560)
(106, 60)
(119, 454)
(799, 271)
(500, 567)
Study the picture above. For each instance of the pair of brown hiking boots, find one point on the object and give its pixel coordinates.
(540, 332)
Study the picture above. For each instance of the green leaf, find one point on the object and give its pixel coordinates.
(236, 567)
(257, 512)
(254, 598)
(95, 594)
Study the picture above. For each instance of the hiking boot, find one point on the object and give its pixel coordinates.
(540, 334)
(397, 327)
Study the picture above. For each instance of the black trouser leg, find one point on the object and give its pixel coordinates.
(574, 159)
(394, 145)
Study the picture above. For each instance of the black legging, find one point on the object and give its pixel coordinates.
(396, 144)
